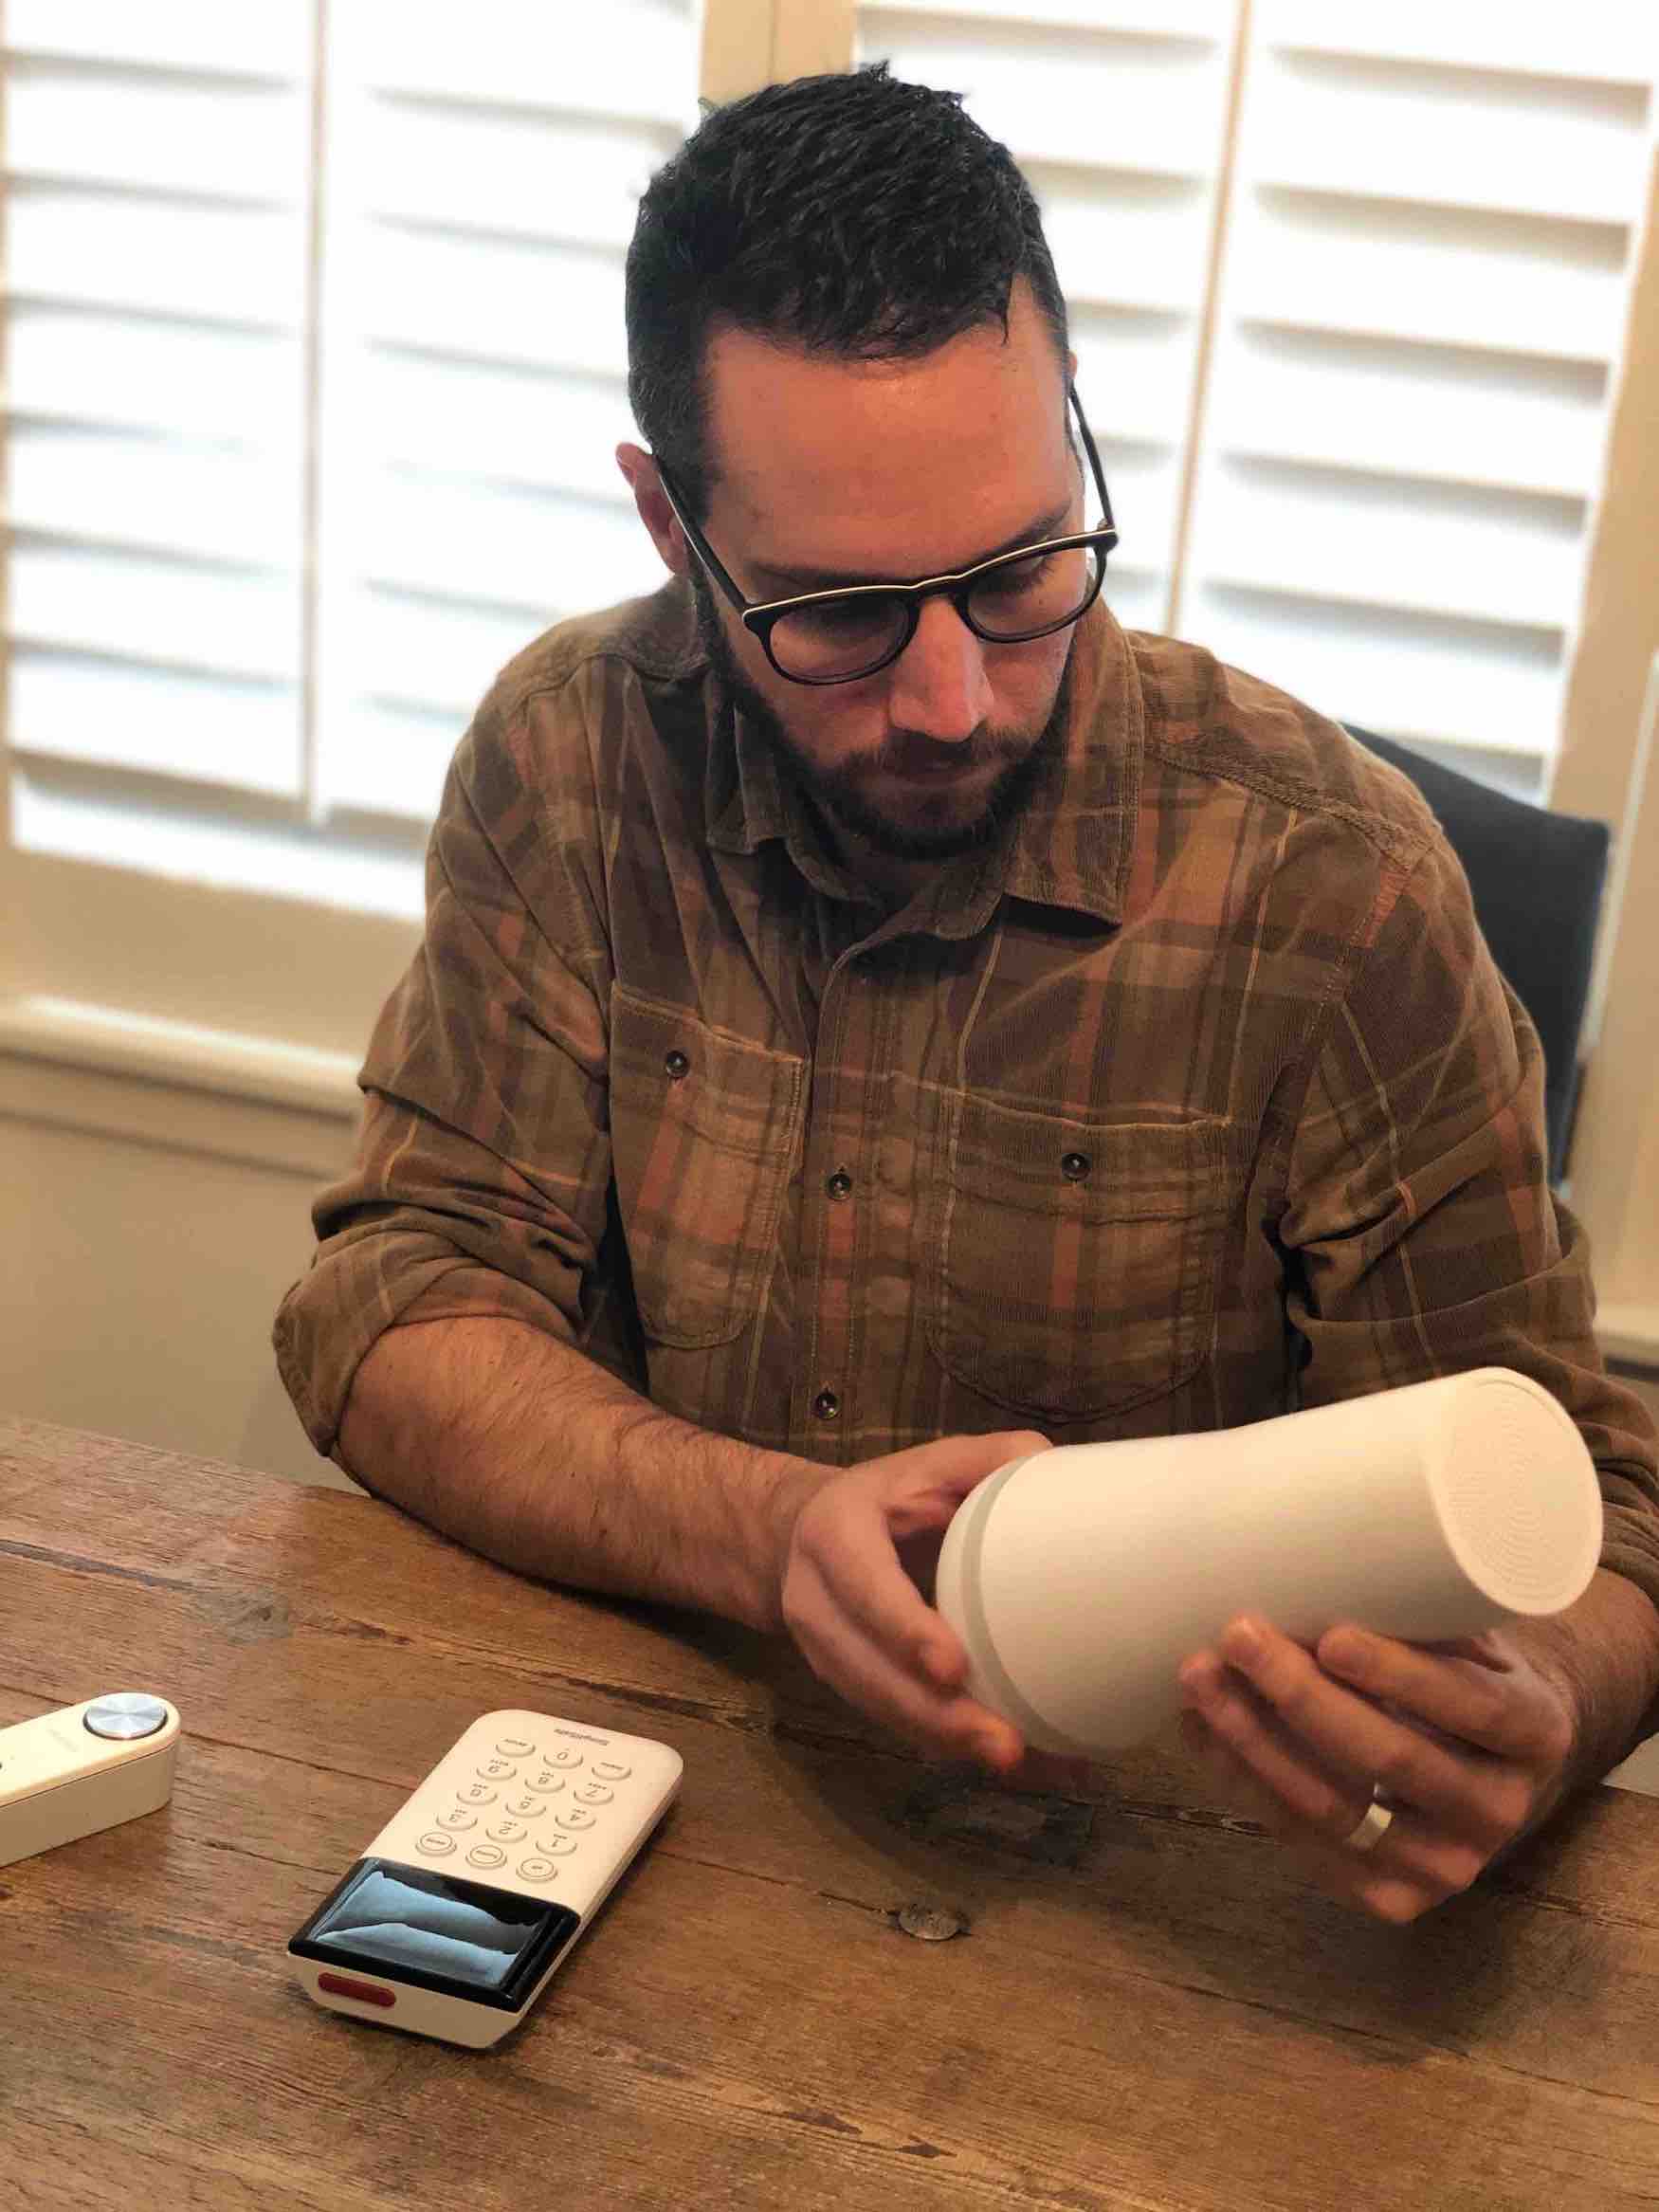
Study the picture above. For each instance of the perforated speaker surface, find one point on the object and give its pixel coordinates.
(1517, 1497)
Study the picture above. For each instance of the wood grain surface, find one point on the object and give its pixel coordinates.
(1144, 2009)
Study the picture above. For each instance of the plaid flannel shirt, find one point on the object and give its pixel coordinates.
(1194, 1098)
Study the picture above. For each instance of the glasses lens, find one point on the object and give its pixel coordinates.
(1025, 596)
(837, 637)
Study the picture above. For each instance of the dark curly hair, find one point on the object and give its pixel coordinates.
(857, 214)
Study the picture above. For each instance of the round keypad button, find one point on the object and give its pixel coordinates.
(559, 1846)
(577, 1816)
(456, 1818)
(566, 1755)
(524, 1806)
(435, 1844)
(536, 1870)
(545, 1780)
(507, 1832)
(497, 1770)
(516, 1748)
(594, 1793)
(608, 1770)
(487, 1855)
(476, 1793)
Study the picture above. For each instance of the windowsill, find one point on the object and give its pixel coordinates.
(111, 1073)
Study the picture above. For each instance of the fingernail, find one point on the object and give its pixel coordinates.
(1242, 1641)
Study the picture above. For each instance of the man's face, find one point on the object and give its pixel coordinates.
(833, 471)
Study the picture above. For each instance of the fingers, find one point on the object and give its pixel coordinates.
(1399, 1880)
(859, 1618)
(926, 1705)
(1349, 1735)
(1467, 1691)
(1463, 1740)
(922, 1486)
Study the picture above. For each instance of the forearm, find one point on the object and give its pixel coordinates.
(524, 1450)
(1604, 1654)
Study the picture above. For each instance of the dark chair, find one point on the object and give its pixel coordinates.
(1537, 880)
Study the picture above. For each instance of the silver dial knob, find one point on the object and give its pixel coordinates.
(126, 1714)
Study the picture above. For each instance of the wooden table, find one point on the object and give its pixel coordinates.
(1144, 2007)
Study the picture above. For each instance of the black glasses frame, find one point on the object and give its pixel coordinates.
(760, 616)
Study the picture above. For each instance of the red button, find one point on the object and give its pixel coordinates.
(365, 1992)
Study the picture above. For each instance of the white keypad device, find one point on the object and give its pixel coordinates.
(456, 1917)
(67, 1773)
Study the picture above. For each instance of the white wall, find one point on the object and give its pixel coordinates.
(144, 1268)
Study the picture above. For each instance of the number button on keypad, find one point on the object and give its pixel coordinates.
(577, 1816)
(545, 1780)
(456, 1818)
(594, 1793)
(497, 1770)
(507, 1832)
(566, 1755)
(476, 1793)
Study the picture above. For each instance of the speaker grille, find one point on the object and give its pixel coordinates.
(1518, 1496)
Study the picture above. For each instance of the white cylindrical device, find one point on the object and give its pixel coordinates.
(1080, 1578)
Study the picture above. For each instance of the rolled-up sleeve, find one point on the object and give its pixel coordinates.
(483, 1158)
(1420, 1232)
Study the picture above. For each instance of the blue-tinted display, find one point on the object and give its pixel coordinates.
(440, 1933)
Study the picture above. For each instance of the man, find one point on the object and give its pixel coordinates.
(862, 1033)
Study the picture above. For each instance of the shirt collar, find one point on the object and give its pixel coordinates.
(1072, 846)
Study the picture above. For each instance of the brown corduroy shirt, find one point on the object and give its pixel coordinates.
(1196, 1098)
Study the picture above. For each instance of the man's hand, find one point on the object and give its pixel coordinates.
(1471, 1743)
(860, 1619)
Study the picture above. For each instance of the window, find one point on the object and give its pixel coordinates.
(1350, 288)
(314, 367)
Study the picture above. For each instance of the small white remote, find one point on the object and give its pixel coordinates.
(452, 1922)
(83, 1768)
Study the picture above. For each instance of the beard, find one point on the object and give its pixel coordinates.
(839, 793)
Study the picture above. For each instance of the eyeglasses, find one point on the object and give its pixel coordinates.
(837, 636)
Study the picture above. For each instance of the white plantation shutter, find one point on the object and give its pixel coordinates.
(482, 194)
(1364, 458)
(316, 366)
(155, 219)
(1117, 113)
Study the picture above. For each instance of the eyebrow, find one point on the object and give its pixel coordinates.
(822, 579)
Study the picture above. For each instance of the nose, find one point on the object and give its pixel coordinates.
(940, 687)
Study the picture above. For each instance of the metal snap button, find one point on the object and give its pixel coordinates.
(677, 1066)
(1074, 1167)
(839, 1186)
(827, 1405)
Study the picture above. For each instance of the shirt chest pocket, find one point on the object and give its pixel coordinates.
(1075, 1260)
(703, 1130)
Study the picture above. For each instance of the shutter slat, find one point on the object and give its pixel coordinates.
(272, 40)
(152, 493)
(1614, 40)
(100, 249)
(223, 139)
(100, 599)
(173, 721)
(1396, 130)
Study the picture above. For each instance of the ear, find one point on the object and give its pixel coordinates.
(654, 511)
